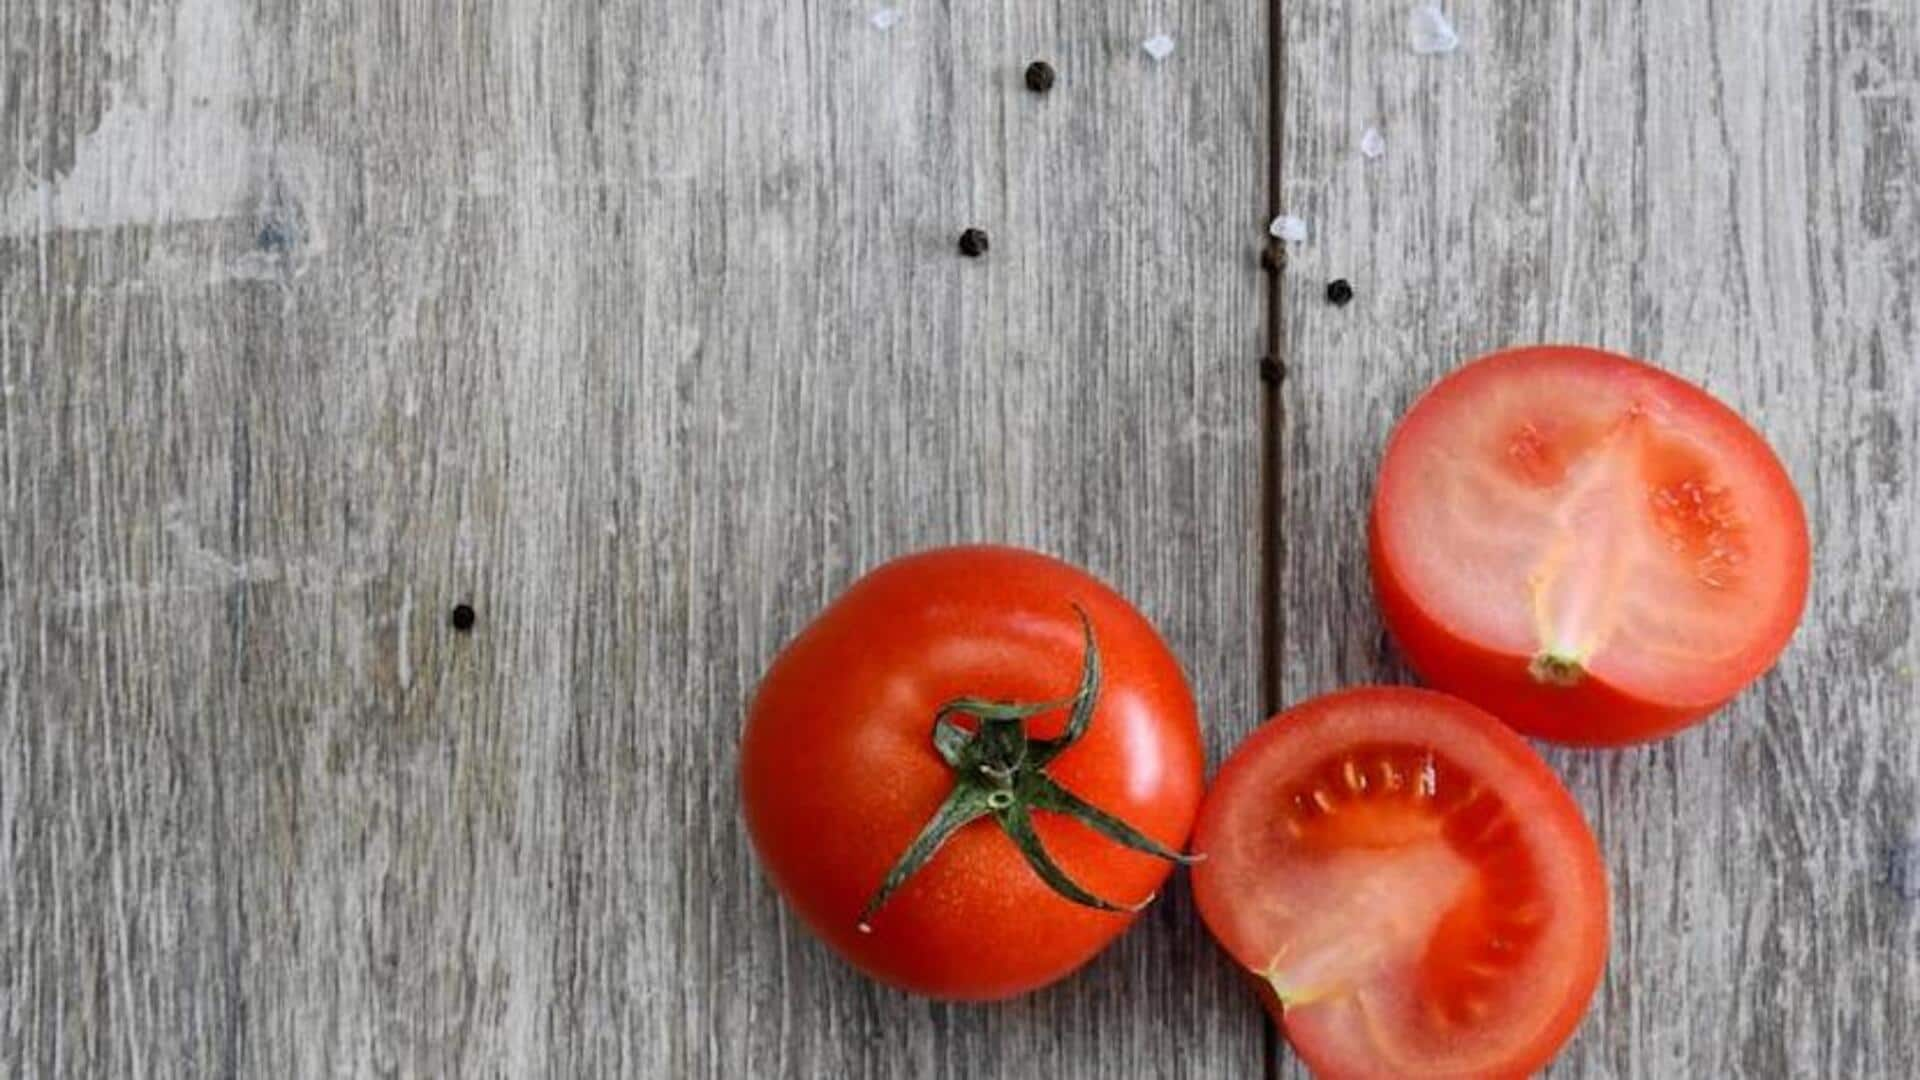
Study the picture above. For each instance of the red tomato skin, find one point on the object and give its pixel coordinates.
(1590, 963)
(838, 773)
(1592, 713)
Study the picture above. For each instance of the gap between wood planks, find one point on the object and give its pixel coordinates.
(1272, 416)
(1273, 378)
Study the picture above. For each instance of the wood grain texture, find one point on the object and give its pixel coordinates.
(638, 326)
(1729, 190)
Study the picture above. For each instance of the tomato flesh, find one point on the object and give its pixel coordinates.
(1412, 885)
(1596, 551)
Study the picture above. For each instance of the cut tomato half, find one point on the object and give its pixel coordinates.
(1412, 887)
(1594, 550)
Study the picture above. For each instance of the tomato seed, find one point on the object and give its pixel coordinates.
(1389, 776)
(1356, 780)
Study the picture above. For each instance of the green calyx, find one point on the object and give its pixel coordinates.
(1557, 668)
(1000, 772)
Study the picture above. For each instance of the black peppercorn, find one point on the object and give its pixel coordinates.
(1272, 371)
(1273, 258)
(973, 243)
(1040, 76)
(1339, 292)
(462, 617)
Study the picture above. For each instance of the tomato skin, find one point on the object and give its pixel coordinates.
(1229, 887)
(1595, 711)
(838, 772)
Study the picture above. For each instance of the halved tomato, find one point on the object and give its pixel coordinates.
(1411, 885)
(1594, 550)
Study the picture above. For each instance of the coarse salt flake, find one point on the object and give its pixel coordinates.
(885, 18)
(1430, 31)
(1372, 143)
(1159, 46)
(1289, 228)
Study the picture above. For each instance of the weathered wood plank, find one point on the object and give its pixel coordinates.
(1087, 388)
(638, 326)
(1728, 190)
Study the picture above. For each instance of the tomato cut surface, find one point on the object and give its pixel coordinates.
(1409, 881)
(1596, 551)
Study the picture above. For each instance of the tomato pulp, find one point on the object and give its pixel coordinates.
(1413, 888)
(841, 770)
(1590, 548)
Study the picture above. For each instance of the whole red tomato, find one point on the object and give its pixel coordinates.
(971, 770)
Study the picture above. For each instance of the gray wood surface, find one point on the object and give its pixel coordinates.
(639, 327)
(1729, 190)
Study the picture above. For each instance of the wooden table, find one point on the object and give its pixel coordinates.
(640, 328)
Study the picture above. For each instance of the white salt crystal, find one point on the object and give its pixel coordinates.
(885, 18)
(1372, 143)
(1289, 228)
(1159, 46)
(1430, 30)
